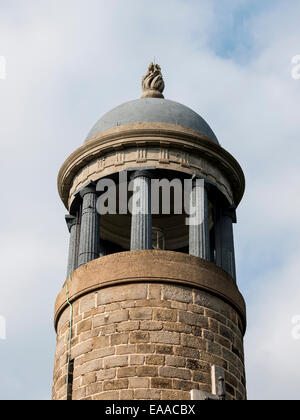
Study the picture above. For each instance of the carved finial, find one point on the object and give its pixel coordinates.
(153, 83)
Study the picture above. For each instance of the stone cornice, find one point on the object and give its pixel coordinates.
(149, 134)
(151, 267)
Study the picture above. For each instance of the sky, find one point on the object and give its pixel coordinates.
(67, 63)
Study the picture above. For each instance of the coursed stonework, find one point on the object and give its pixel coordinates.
(149, 341)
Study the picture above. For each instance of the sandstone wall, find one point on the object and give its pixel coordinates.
(149, 341)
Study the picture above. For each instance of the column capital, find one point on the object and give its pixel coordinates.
(71, 221)
(88, 188)
(141, 174)
(196, 177)
(230, 212)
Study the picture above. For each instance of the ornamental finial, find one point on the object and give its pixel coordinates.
(153, 83)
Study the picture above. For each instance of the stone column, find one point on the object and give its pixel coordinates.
(74, 229)
(225, 257)
(89, 232)
(141, 222)
(199, 241)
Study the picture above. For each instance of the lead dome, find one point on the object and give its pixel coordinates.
(158, 110)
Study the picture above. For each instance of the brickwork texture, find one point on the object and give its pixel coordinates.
(148, 341)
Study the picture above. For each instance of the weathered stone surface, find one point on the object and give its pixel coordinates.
(165, 315)
(162, 349)
(121, 293)
(154, 291)
(193, 319)
(179, 294)
(139, 337)
(164, 337)
(147, 394)
(139, 383)
(101, 342)
(110, 318)
(84, 326)
(106, 374)
(115, 361)
(137, 360)
(129, 349)
(161, 383)
(157, 346)
(126, 372)
(120, 338)
(172, 372)
(128, 326)
(140, 313)
(87, 303)
(146, 371)
(155, 359)
(110, 395)
(115, 384)
(175, 395)
(151, 325)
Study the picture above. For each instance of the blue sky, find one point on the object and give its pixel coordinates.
(69, 62)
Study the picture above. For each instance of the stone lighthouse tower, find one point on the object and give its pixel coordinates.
(150, 308)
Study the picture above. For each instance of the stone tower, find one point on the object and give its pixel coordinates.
(150, 308)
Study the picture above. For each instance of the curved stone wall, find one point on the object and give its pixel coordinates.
(148, 339)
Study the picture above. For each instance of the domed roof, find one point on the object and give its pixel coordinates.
(153, 110)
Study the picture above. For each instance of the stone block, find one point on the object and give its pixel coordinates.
(136, 360)
(147, 394)
(125, 349)
(106, 374)
(101, 342)
(154, 291)
(165, 315)
(110, 318)
(155, 359)
(126, 372)
(172, 372)
(175, 395)
(162, 349)
(161, 383)
(164, 337)
(145, 348)
(88, 379)
(126, 394)
(150, 371)
(107, 396)
(187, 352)
(120, 338)
(191, 341)
(176, 293)
(95, 388)
(122, 293)
(115, 361)
(151, 325)
(175, 361)
(83, 326)
(198, 365)
(87, 303)
(128, 326)
(81, 348)
(138, 382)
(111, 385)
(184, 385)
(79, 393)
(140, 313)
(193, 319)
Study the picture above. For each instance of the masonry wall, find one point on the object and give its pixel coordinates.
(149, 341)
